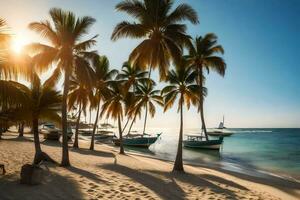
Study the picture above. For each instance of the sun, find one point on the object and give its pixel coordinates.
(18, 43)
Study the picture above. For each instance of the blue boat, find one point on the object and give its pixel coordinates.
(199, 142)
(137, 140)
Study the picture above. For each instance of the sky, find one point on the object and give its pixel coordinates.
(261, 88)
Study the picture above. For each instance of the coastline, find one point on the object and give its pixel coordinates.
(106, 174)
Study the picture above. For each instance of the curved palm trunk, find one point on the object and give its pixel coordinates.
(132, 123)
(75, 145)
(65, 151)
(200, 83)
(120, 136)
(94, 128)
(146, 113)
(178, 165)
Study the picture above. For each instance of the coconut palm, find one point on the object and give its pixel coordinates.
(80, 95)
(103, 78)
(64, 33)
(160, 29)
(115, 107)
(181, 84)
(39, 101)
(146, 97)
(203, 55)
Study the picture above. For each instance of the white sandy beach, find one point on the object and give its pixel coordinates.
(104, 174)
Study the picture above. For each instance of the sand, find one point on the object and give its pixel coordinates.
(104, 174)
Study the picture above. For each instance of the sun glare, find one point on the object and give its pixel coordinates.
(18, 42)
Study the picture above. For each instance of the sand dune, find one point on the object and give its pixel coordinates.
(104, 174)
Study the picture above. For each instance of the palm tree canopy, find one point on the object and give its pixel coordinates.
(182, 83)
(160, 28)
(203, 53)
(64, 33)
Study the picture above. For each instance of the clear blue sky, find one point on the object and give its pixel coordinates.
(262, 48)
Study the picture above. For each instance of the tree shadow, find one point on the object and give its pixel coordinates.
(92, 152)
(54, 186)
(86, 174)
(164, 189)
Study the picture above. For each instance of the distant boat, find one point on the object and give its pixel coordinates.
(220, 131)
(137, 140)
(200, 142)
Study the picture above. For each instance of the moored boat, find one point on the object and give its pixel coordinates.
(199, 142)
(137, 140)
(220, 131)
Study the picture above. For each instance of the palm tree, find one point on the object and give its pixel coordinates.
(181, 84)
(31, 104)
(203, 54)
(81, 94)
(64, 33)
(115, 106)
(160, 28)
(103, 78)
(146, 97)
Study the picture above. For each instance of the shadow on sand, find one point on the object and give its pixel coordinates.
(92, 152)
(54, 187)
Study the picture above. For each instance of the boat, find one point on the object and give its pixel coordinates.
(200, 142)
(50, 132)
(137, 140)
(220, 131)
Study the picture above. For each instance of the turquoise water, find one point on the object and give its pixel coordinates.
(270, 150)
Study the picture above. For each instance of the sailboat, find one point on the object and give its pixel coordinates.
(220, 131)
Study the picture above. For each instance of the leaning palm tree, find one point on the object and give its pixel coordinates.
(39, 101)
(146, 97)
(115, 106)
(181, 84)
(103, 78)
(64, 33)
(80, 95)
(160, 29)
(203, 55)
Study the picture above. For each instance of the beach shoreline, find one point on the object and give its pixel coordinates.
(104, 174)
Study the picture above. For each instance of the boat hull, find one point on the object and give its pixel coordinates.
(219, 133)
(143, 142)
(211, 144)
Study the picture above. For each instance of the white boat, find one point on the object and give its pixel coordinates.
(220, 131)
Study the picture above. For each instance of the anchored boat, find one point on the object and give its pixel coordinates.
(137, 140)
(220, 131)
(200, 142)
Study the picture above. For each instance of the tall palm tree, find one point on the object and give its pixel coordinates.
(203, 55)
(181, 84)
(103, 78)
(147, 97)
(64, 33)
(81, 94)
(39, 101)
(115, 106)
(160, 28)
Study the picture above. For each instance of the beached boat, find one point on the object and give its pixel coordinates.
(200, 142)
(137, 140)
(50, 132)
(220, 131)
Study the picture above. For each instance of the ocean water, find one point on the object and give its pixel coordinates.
(268, 150)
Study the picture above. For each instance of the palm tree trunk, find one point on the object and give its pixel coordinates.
(94, 128)
(146, 113)
(200, 83)
(75, 145)
(132, 123)
(125, 125)
(37, 145)
(21, 129)
(120, 136)
(65, 151)
(178, 165)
